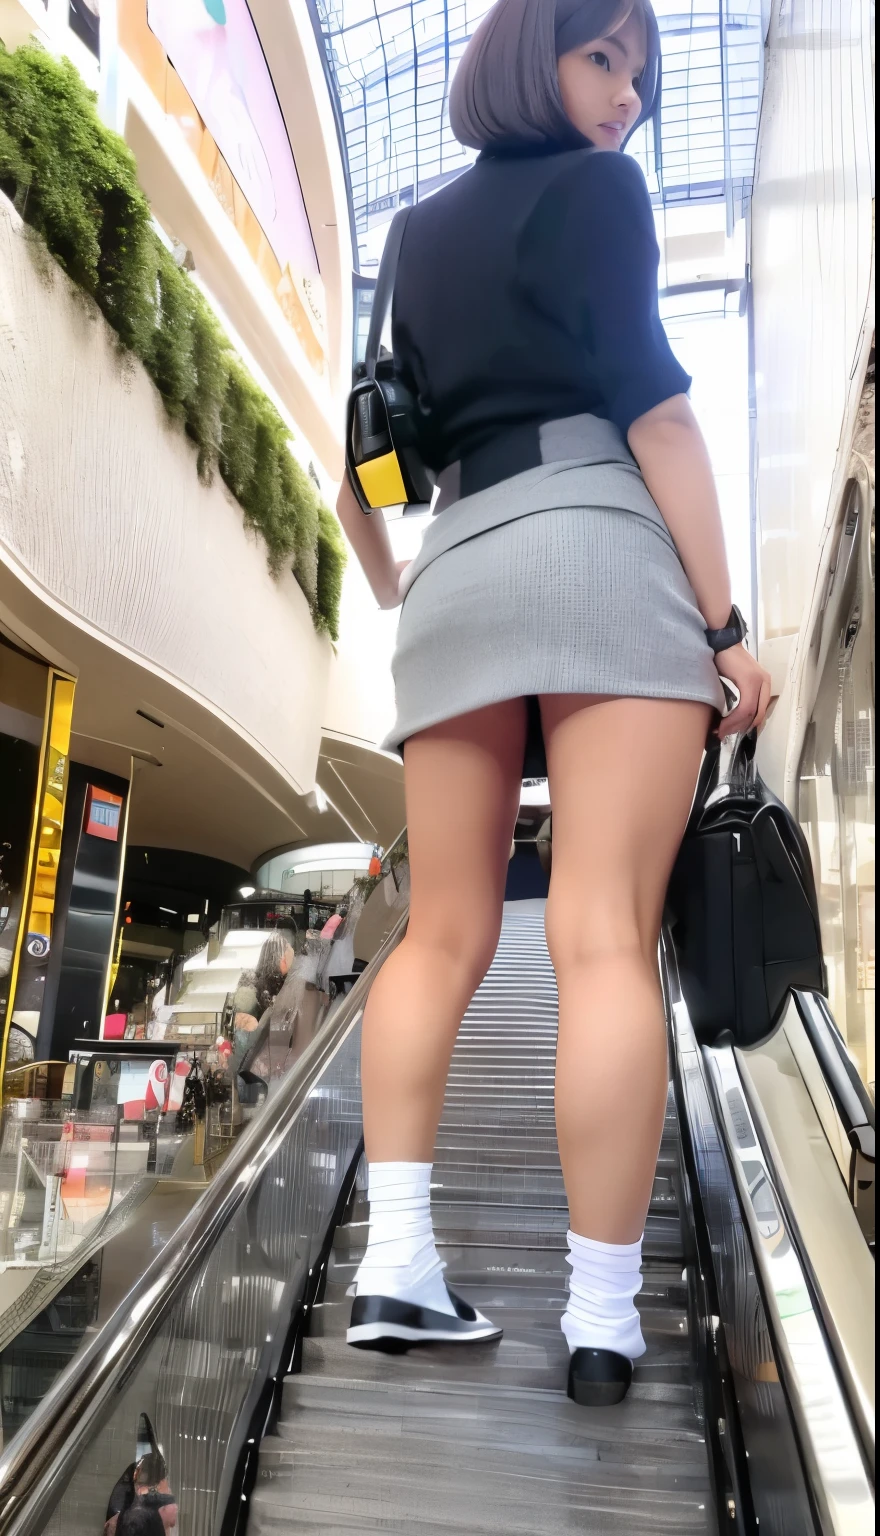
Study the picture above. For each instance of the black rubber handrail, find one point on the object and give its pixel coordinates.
(851, 1098)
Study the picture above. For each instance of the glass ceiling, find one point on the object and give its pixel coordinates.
(390, 63)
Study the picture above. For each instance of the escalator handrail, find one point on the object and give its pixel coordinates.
(40, 1456)
(768, 1240)
(851, 1098)
(836, 1442)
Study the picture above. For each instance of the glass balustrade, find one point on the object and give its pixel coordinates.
(97, 1151)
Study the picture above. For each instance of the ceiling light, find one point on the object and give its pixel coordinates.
(247, 891)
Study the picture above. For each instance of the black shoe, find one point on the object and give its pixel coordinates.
(384, 1323)
(598, 1378)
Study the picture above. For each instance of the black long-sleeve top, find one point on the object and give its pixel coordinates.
(526, 291)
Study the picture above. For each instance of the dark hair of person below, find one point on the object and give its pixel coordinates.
(140, 1520)
(506, 90)
(150, 1470)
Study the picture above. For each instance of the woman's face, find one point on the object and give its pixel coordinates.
(599, 84)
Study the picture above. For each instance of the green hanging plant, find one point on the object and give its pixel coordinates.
(75, 183)
(331, 568)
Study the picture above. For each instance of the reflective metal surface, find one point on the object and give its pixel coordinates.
(776, 1483)
(836, 1260)
(832, 1455)
(853, 1106)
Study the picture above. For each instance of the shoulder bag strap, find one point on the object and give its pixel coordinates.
(384, 289)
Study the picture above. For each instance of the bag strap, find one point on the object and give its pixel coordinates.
(384, 289)
(739, 772)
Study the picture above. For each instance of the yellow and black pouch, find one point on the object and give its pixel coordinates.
(382, 459)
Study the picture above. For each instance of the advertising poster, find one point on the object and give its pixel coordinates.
(215, 50)
(22, 708)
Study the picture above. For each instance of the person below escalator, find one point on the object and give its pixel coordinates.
(573, 579)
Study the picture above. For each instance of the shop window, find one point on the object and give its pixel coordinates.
(324, 884)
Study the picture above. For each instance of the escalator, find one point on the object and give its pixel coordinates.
(752, 1411)
(483, 1438)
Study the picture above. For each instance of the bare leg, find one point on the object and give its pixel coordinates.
(622, 775)
(462, 796)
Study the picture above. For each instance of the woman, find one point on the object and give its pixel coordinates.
(575, 578)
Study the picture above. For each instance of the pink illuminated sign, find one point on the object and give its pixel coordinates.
(214, 47)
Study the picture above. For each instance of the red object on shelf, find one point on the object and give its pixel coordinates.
(114, 1026)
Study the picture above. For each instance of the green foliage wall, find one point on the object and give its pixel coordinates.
(75, 182)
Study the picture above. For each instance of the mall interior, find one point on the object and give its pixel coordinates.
(203, 850)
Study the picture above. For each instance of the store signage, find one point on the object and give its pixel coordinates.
(103, 813)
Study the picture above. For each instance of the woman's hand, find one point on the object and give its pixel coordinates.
(752, 684)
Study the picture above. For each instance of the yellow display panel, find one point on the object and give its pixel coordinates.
(48, 841)
(42, 873)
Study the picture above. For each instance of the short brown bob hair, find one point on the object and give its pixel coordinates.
(506, 90)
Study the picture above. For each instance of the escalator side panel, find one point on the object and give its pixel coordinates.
(809, 1180)
(779, 1490)
(830, 1448)
(195, 1377)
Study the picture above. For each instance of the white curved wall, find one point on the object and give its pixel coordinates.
(101, 508)
(812, 254)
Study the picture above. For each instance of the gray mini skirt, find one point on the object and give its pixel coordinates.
(563, 579)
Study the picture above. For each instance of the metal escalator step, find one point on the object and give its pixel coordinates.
(379, 1493)
(504, 1227)
(496, 1416)
(489, 1289)
(473, 1264)
(454, 1199)
(662, 1313)
(503, 1150)
(526, 1356)
(514, 1134)
(481, 1440)
(480, 1445)
(537, 1279)
(473, 1164)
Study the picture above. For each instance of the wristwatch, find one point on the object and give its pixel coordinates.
(733, 633)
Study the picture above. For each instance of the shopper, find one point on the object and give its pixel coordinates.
(139, 1520)
(577, 559)
(142, 1500)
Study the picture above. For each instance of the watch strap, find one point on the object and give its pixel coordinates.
(733, 633)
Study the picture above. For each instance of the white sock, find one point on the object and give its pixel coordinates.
(401, 1258)
(605, 1278)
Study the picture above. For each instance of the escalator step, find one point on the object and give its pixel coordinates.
(481, 1440)
(479, 1492)
(504, 1227)
(527, 1356)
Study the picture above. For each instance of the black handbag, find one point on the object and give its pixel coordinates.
(382, 457)
(741, 903)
